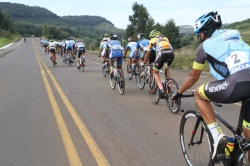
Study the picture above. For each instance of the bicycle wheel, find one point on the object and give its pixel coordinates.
(104, 72)
(129, 72)
(172, 86)
(196, 140)
(141, 79)
(241, 158)
(153, 91)
(112, 81)
(82, 66)
(121, 82)
(137, 73)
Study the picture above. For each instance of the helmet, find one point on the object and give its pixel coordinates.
(131, 39)
(105, 39)
(79, 40)
(154, 33)
(106, 35)
(140, 35)
(113, 36)
(207, 21)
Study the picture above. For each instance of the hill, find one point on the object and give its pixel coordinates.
(34, 17)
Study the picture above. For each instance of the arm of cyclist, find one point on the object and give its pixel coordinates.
(191, 79)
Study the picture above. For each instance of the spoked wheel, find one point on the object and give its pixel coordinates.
(141, 79)
(112, 81)
(171, 86)
(121, 82)
(153, 91)
(137, 73)
(129, 72)
(196, 139)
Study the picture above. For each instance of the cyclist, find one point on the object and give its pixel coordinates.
(229, 60)
(113, 51)
(106, 36)
(132, 47)
(164, 50)
(143, 44)
(103, 46)
(52, 50)
(69, 44)
(80, 48)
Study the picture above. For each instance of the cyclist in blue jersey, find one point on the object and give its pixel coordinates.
(114, 50)
(143, 44)
(229, 61)
(131, 46)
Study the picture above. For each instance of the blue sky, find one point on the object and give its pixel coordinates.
(184, 12)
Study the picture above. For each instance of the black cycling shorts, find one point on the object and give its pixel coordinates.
(165, 56)
(52, 50)
(80, 53)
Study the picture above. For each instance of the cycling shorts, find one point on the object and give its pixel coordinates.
(52, 50)
(234, 88)
(132, 55)
(80, 52)
(69, 48)
(165, 56)
(117, 54)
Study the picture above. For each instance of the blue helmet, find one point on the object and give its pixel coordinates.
(207, 21)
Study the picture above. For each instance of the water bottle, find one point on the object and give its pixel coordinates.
(115, 72)
(230, 146)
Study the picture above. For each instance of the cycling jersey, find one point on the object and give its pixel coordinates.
(160, 42)
(225, 53)
(143, 44)
(132, 47)
(115, 50)
(80, 46)
(103, 46)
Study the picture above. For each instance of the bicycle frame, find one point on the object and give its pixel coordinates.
(240, 142)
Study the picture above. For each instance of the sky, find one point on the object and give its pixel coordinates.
(183, 12)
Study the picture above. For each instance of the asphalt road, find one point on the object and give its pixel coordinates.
(59, 116)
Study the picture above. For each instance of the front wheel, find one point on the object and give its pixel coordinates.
(104, 72)
(171, 86)
(196, 139)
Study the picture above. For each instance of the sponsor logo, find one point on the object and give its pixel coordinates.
(221, 68)
(240, 67)
(219, 87)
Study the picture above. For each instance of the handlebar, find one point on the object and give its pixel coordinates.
(192, 95)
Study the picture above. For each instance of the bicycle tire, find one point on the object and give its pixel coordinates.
(82, 67)
(112, 81)
(142, 80)
(121, 82)
(137, 73)
(195, 139)
(172, 105)
(130, 75)
(104, 72)
(240, 158)
(153, 91)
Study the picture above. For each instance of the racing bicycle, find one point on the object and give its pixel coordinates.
(197, 142)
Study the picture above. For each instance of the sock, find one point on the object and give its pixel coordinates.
(215, 130)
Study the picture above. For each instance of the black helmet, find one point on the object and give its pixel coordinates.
(113, 36)
(140, 36)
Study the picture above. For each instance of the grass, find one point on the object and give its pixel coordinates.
(4, 41)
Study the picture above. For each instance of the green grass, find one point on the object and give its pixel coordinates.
(4, 41)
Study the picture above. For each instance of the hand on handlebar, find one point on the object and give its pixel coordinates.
(175, 95)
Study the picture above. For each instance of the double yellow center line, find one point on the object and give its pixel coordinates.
(68, 143)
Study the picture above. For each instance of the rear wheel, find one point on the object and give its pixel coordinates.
(104, 72)
(171, 86)
(112, 81)
(141, 79)
(196, 139)
(241, 158)
(153, 91)
(121, 82)
(129, 72)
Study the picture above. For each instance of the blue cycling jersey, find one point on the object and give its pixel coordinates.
(225, 52)
(143, 44)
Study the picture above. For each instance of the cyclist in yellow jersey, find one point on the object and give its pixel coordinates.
(164, 53)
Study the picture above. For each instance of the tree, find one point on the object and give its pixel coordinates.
(171, 31)
(138, 21)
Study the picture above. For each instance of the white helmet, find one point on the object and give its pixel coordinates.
(105, 39)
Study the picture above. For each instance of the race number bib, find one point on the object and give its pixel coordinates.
(238, 60)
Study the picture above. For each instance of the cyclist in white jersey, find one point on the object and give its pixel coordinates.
(79, 49)
(103, 46)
